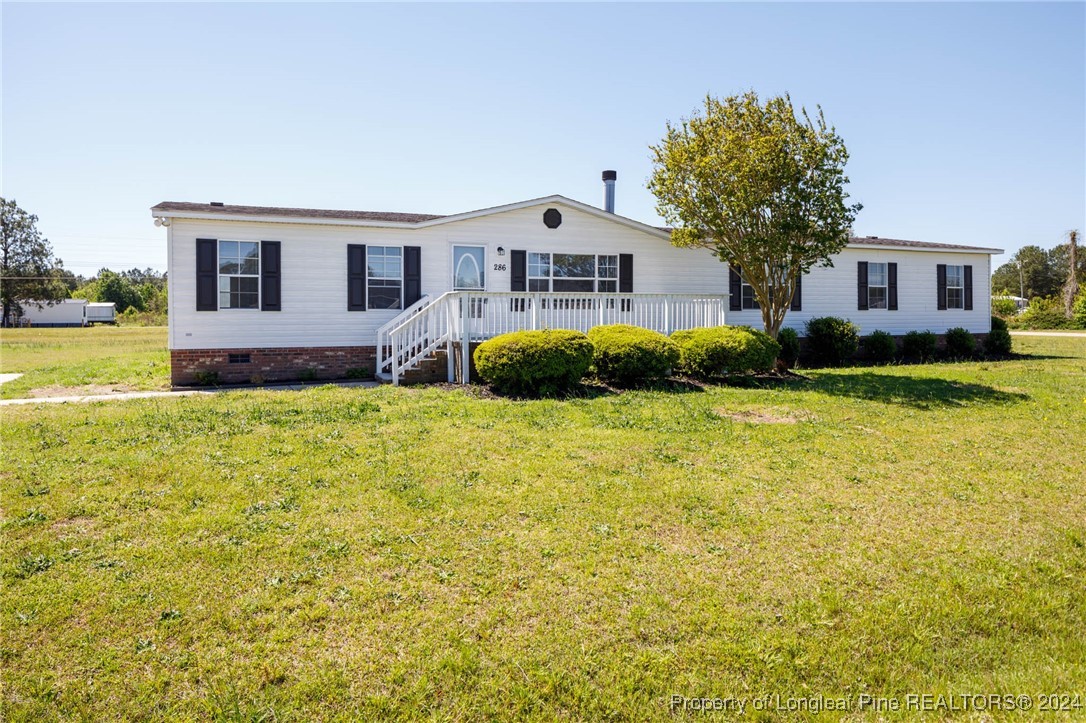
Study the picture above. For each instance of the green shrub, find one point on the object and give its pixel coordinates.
(998, 342)
(789, 341)
(880, 346)
(960, 343)
(919, 345)
(711, 351)
(534, 363)
(1004, 307)
(627, 354)
(832, 340)
(1079, 310)
(1043, 313)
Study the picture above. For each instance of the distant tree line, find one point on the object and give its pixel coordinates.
(1035, 272)
(138, 290)
(1057, 299)
(30, 272)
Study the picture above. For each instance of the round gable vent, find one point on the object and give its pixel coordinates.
(552, 218)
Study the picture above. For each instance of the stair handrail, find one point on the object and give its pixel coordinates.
(383, 340)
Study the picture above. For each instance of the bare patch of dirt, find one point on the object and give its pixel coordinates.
(761, 416)
(85, 390)
(74, 527)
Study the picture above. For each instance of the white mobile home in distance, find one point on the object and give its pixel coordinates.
(281, 293)
(67, 312)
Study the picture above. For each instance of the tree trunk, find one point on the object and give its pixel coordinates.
(1070, 291)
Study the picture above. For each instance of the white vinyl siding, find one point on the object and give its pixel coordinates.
(831, 291)
(314, 286)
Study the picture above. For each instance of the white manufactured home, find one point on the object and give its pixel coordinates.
(262, 293)
(67, 312)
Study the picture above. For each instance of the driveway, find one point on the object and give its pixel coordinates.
(179, 393)
(1071, 334)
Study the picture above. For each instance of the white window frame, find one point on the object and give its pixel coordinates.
(549, 277)
(220, 276)
(885, 286)
(960, 286)
(369, 250)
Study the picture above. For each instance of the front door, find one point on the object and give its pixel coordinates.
(469, 274)
(469, 268)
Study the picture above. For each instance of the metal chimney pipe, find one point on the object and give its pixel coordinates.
(609, 178)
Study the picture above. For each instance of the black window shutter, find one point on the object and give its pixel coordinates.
(891, 286)
(518, 266)
(356, 277)
(797, 298)
(625, 273)
(270, 269)
(207, 272)
(861, 285)
(412, 275)
(735, 289)
(940, 286)
(967, 274)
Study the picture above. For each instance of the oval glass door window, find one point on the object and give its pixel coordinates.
(469, 268)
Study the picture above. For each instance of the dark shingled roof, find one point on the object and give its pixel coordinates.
(395, 217)
(296, 212)
(877, 241)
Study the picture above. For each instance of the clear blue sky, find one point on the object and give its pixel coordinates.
(966, 123)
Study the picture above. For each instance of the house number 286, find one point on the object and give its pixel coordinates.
(499, 267)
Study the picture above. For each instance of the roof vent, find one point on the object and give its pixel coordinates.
(216, 203)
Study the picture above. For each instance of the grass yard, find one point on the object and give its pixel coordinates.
(412, 553)
(95, 359)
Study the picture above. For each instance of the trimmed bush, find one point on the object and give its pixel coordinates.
(919, 345)
(880, 346)
(960, 343)
(534, 363)
(626, 354)
(711, 351)
(789, 341)
(998, 342)
(832, 340)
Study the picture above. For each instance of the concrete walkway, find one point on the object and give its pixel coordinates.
(8, 377)
(179, 393)
(1069, 334)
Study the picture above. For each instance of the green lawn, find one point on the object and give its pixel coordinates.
(58, 361)
(412, 553)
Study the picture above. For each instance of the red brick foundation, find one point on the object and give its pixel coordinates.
(213, 366)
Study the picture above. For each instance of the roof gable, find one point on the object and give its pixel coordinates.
(275, 214)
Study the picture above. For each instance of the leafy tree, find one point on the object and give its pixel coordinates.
(1060, 259)
(759, 188)
(111, 286)
(1031, 272)
(28, 271)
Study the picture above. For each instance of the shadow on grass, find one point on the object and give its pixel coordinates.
(917, 392)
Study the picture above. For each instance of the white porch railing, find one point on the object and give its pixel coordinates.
(468, 316)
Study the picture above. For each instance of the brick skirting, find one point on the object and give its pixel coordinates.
(213, 366)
